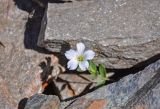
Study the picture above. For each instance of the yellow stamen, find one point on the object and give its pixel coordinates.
(80, 58)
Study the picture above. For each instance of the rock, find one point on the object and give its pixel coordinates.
(122, 32)
(20, 73)
(151, 100)
(84, 103)
(140, 90)
(19, 67)
(38, 101)
(73, 84)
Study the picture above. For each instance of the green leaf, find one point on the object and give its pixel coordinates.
(92, 68)
(102, 71)
(101, 82)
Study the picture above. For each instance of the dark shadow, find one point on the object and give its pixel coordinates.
(22, 103)
(36, 10)
(51, 89)
(25, 5)
(47, 68)
(120, 73)
(62, 59)
(59, 1)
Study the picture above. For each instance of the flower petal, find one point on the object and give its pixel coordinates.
(84, 65)
(89, 54)
(110, 74)
(72, 64)
(80, 48)
(70, 54)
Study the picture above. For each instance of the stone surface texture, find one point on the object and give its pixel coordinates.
(133, 91)
(71, 85)
(124, 31)
(19, 67)
(84, 103)
(39, 101)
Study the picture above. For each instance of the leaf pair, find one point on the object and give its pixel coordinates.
(100, 72)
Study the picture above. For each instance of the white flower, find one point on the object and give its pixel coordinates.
(79, 57)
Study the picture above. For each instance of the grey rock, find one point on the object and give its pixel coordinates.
(122, 32)
(140, 89)
(19, 67)
(39, 101)
(151, 100)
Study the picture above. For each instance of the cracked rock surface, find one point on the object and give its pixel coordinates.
(122, 32)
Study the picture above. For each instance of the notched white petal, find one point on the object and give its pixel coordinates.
(89, 54)
(84, 65)
(72, 64)
(80, 48)
(70, 54)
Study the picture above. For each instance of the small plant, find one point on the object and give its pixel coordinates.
(81, 60)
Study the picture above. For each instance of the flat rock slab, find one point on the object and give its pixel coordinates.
(124, 31)
(71, 85)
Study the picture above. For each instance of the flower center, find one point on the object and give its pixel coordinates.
(80, 58)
